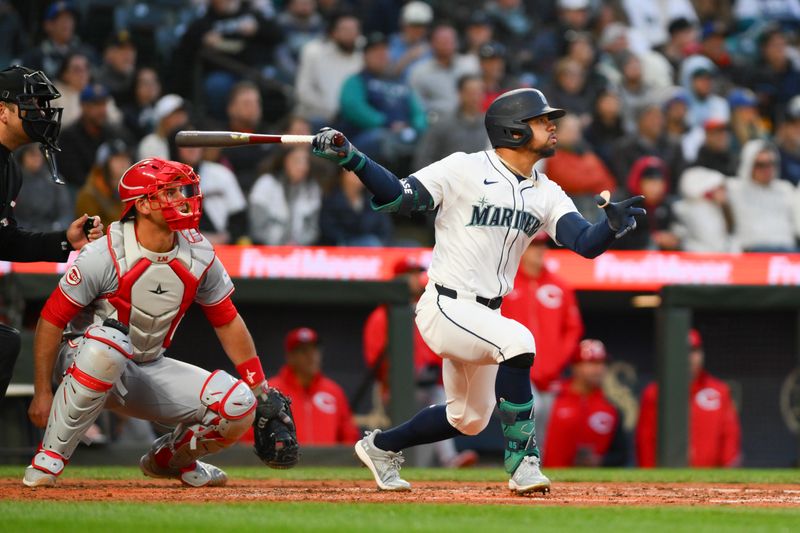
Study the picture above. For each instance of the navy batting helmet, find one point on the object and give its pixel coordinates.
(508, 113)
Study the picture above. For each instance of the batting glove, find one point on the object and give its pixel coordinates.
(620, 214)
(332, 144)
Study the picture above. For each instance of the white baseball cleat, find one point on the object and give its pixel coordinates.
(38, 478)
(384, 465)
(528, 478)
(202, 475)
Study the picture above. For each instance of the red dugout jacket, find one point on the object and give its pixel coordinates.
(579, 425)
(714, 430)
(547, 307)
(321, 412)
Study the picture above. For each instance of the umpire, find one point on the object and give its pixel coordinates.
(25, 117)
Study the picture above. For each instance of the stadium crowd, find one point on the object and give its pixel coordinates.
(693, 103)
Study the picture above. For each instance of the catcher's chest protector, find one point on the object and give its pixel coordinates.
(154, 290)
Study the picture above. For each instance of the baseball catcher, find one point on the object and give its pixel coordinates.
(108, 323)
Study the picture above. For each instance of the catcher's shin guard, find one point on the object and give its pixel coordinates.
(230, 407)
(519, 431)
(99, 362)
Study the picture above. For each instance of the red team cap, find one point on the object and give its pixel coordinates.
(408, 264)
(695, 340)
(590, 351)
(299, 336)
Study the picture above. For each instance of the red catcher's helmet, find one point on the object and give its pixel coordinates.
(150, 176)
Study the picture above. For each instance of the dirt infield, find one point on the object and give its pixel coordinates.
(440, 492)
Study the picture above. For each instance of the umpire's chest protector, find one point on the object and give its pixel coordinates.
(154, 290)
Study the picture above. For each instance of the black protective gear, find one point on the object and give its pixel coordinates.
(274, 430)
(508, 113)
(32, 92)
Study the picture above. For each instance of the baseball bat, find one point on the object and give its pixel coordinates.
(224, 139)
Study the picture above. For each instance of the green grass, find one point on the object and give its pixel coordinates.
(29, 517)
(654, 475)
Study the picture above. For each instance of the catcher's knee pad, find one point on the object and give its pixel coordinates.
(230, 409)
(99, 362)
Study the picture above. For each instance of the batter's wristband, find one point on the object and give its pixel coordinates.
(251, 371)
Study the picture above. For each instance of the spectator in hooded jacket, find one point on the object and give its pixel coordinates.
(703, 219)
(99, 195)
(649, 177)
(698, 76)
(714, 430)
(761, 201)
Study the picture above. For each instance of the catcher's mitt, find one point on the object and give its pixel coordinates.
(274, 430)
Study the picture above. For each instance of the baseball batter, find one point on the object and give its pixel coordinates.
(491, 204)
(106, 326)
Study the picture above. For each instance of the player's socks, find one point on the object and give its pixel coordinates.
(429, 425)
(515, 403)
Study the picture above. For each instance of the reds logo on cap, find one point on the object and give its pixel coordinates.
(73, 276)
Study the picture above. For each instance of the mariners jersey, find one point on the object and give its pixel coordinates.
(150, 292)
(486, 219)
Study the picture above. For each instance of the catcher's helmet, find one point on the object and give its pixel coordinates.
(32, 92)
(149, 177)
(508, 112)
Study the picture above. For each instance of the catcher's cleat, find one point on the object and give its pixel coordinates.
(199, 474)
(528, 478)
(37, 478)
(385, 466)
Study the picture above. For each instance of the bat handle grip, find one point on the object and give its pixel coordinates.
(338, 140)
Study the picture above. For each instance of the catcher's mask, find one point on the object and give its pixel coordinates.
(32, 93)
(171, 187)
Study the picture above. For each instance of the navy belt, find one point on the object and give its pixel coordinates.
(491, 303)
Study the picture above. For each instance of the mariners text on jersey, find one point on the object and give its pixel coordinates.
(485, 214)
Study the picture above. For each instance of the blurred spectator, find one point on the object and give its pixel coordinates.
(581, 50)
(118, 70)
(99, 195)
(749, 11)
(73, 77)
(60, 19)
(676, 106)
(496, 80)
(651, 19)
(762, 203)
(585, 428)
(13, 37)
(80, 141)
(232, 40)
(775, 77)
(616, 42)
(346, 218)
(569, 90)
(550, 42)
(633, 90)
(301, 23)
(714, 430)
(746, 124)
(513, 26)
(577, 169)
(139, 114)
(787, 138)
(245, 114)
(435, 79)
(462, 132)
(325, 63)
(410, 44)
(284, 203)
(703, 219)
(224, 218)
(649, 139)
(320, 408)
(168, 113)
(545, 303)
(41, 205)
(606, 125)
(649, 177)
(478, 32)
(713, 45)
(427, 365)
(716, 152)
(683, 41)
(384, 117)
(708, 10)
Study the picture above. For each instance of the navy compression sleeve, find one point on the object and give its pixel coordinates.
(382, 183)
(588, 240)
